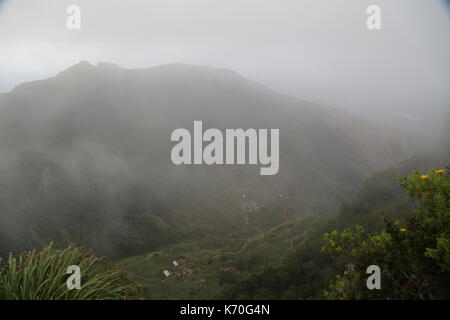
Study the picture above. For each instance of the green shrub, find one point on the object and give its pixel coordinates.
(413, 254)
(41, 275)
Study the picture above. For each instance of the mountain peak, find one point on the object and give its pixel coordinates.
(81, 67)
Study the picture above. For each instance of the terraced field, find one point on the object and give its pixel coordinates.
(202, 268)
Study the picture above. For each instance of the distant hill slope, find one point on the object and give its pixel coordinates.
(307, 271)
(85, 155)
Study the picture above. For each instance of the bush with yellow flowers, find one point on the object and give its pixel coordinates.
(413, 254)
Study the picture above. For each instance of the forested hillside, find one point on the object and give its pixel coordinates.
(85, 158)
(307, 272)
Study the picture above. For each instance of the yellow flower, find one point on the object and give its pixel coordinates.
(440, 171)
(424, 177)
(403, 229)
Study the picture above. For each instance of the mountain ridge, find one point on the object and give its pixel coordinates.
(100, 136)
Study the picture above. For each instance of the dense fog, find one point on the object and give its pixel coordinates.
(224, 149)
(316, 50)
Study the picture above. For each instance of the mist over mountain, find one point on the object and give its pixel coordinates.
(85, 156)
(443, 143)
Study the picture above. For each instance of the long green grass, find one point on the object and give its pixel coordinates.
(41, 275)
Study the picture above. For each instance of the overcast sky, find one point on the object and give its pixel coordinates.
(316, 49)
